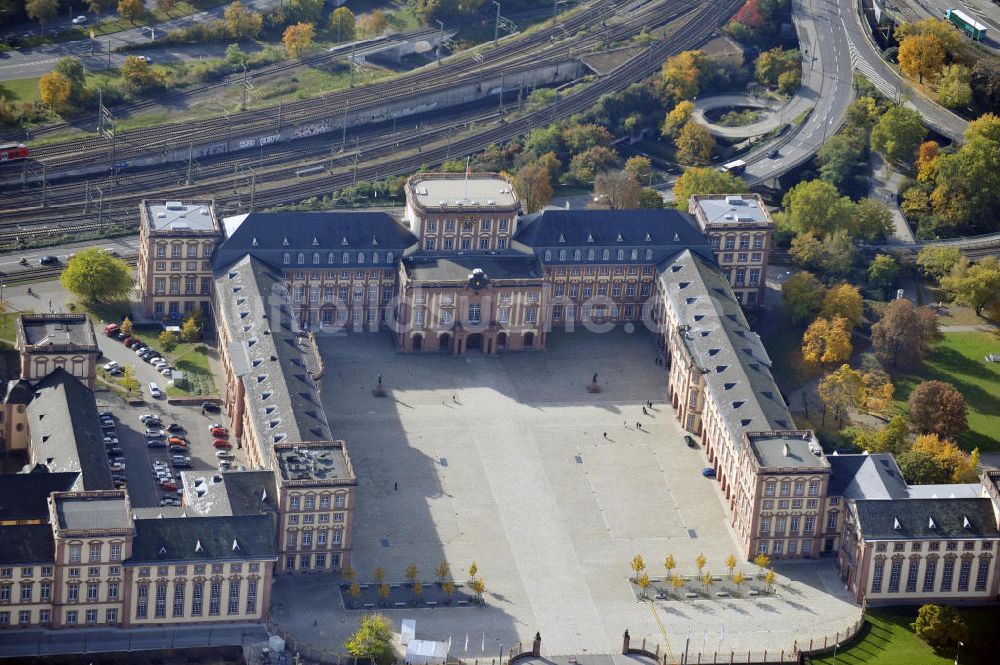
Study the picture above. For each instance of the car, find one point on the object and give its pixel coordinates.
(708, 472)
(80, 20)
(167, 371)
(180, 458)
(213, 426)
(117, 371)
(110, 366)
(129, 341)
(115, 451)
(105, 414)
(222, 443)
(183, 465)
(118, 466)
(112, 329)
(120, 484)
(689, 441)
(178, 449)
(219, 431)
(155, 433)
(110, 441)
(156, 443)
(49, 260)
(147, 60)
(169, 502)
(154, 390)
(174, 428)
(120, 336)
(171, 486)
(224, 465)
(138, 349)
(211, 407)
(157, 361)
(177, 441)
(147, 417)
(224, 454)
(774, 154)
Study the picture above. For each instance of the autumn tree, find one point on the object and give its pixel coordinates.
(827, 341)
(704, 181)
(739, 579)
(731, 564)
(616, 190)
(936, 407)
(694, 143)
(842, 390)
(581, 137)
(681, 75)
(372, 640)
(139, 76)
(131, 10)
(927, 155)
(643, 582)
(669, 563)
(960, 467)
(905, 333)
(762, 561)
(585, 165)
(298, 38)
(700, 562)
(843, 162)
(96, 276)
(921, 469)
(73, 70)
(844, 300)
(42, 11)
(951, 39)
(679, 116)
(129, 382)
(307, 11)
(411, 573)
(378, 574)
(473, 571)
(55, 90)
(769, 578)
(651, 199)
(640, 166)
(342, 21)
(441, 572)
(975, 285)
(167, 340)
(165, 5)
(241, 22)
(448, 587)
(770, 65)
(803, 296)
(533, 186)
(940, 625)
(97, 6)
(832, 255)
(883, 272)
(898, 133)
(677, 582)
(373, 24)
(893, 437)
(126, 327)
(479, 587)
(638, 565)
(937, 260)
(872, 220)
(954, 88)
(920, 56)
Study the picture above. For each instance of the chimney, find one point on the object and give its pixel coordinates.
(785, 450)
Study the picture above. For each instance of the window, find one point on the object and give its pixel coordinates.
(769, 489)
(548, 255)
(307, 538)
(762, 547)
(142, 605)
(831, 521)
(290, 562)
(964, 571)
(234, 597)
(112, 590)
(74, 553)
(44, 616)
(293, 503)
(92, 589)
(765, 525)
(24, 617)
(252, 593)
(946, 575)
(777, 546)
(178, 599)
(71, 617)
(898, 547)
(161, 601)
(286, 259)
(982, 573)
(929, 570)
(911, 577)
(197, 597)
(793, 524)
(73, 592)
(215, 593)
(26, 591)
(877, 575)
(94, 571)
(786, 488)
(46, 591)
(810, 521)
(111, 616)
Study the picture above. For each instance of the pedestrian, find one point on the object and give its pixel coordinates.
(395, 487)
(454, 398)
(638, 425)
(644, 411)
(605, 435)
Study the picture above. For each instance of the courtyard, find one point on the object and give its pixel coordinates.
(503, 461)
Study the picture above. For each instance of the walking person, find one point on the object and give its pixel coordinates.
(644, 412)
(638, 425)
(395, 486)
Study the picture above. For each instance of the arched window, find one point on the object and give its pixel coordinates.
(606, 255)
(621, 254)
(375, 257)
(161, 250)
(287, 258)
(590, 255)
(361, 257)
(649, 254)
(315, 257)
(345, 258)
(576, 255)
(389, 257)
(562, 254)
(634, 254)
(301, 258)
(548, 255)
(206, 249)
(329, 257)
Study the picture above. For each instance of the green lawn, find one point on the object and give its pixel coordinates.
(20, 90)
(958, 360)
(783, 342)
(888, 640)
(192, 359)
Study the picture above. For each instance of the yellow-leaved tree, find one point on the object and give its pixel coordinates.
(827, 341)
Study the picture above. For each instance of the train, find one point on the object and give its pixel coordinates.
(966, 24)
(10, 152)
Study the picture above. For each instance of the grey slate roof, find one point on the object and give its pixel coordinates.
(456, 267)
(268, 236)
(283, 399)
(27, 544)
(873, 476)
(65, 430)
(91, 512)
(665, 231)
(230, 493)
(926, 518)
(716, 333)
(949, 490)
(204, 539)
(19, 391)
(24, 496)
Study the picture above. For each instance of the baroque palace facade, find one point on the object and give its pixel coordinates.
(465, 273)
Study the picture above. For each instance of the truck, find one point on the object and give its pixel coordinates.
(966, 24)
(735, 167)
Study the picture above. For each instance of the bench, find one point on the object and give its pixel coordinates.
(723, 594)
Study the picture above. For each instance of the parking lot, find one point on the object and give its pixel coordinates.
(144, 490)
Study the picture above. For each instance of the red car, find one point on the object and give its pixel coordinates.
(222, 443)
(111, 329)
(220, 431)
(177, 441)
(168, 486)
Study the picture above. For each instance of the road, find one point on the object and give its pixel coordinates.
(31, 62)
(126, 246)
(984, 11)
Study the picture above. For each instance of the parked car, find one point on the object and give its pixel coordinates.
(225, 454)
(80, 20)
(115, 451)
(158, 361)
(110, 366)
(224, 465)
(149, 419)
(222, 443)
(167, 371)
(177, 441)
(117, 371)
(118, 466)
(219, 431)
(169, 502)
(138, 349)
(178, 449)
(211, 407)
(111, 329)
(708, 472)
(130, 341)
(154, 390)
(183, 465)
(168, 486)
(156, 443)
(174, 428)
(155, 433)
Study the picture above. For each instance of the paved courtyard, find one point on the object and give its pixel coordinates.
(503, 461)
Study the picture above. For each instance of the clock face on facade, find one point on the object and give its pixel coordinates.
(468, 218)
(478, 280)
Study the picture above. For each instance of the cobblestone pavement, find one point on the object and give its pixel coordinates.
(503, 461)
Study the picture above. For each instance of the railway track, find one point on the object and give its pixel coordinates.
(379, 160)
(545, 45)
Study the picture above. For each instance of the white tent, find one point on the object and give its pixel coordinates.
(426, 652)
(408, 631)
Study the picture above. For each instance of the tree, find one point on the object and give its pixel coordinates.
(704, 181)
(772, 64)
(126, 327)
(762, 561)
(449, 588)
(802, 294)
(638, 565)
(479, 586)
(383, 591)
(379, 574)
(954, 88)
(131, 10)
(73, 70)
(898, 133)
(582, 137)
(348, 573)
(418, 589)
(808, 251)
(639, 166)
(883, 272)
(441, 572)
(827, 341)
(937, 261)
(676, 119)
(681, 75)
(700, 561)
(411, 573)
(940, 625)
(843, 300)
(96, 276)
(138, 75)
(643, 582)
(905, 333)
(55, 90)
(373, 24)
(927, 155)
(372, 639)
(309, 11)
(97, 6)
(739, 579)
(893, 437)
(815, 205)
(975, 285)
(129, 382)
(920, 56)
(552, 164)
(42, 11)
(677, 582)
(957, 464)
(872, 220)
(354, 590)
(616, 190)
(191, 330)
(532, 184)
(769, 578)
(165, 5)
(921, 469)
(583, 166)
(694, 143)
(343, 22)
(841, 161)
(650, 198)
(935, 406)
(473, 569)
(298, 38)
(669, 563)
(951, 39)
(707, 579)
(241, 22)
(168, 341)
(731, 564)
(842, 390)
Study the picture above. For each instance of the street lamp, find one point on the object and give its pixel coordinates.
(835, 647)
(496, 25)
(440, 39)
(957, 649)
